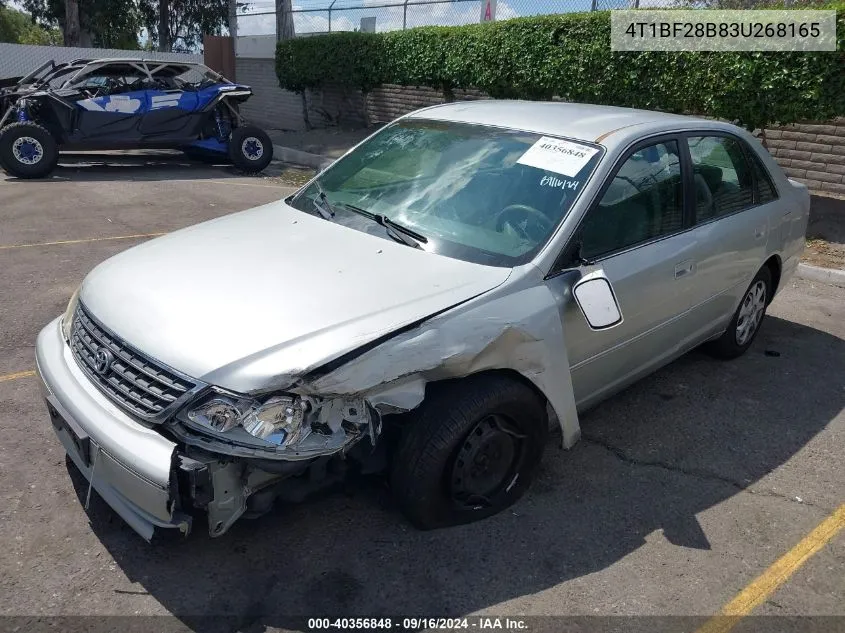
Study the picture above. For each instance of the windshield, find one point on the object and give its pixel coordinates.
(477, 193)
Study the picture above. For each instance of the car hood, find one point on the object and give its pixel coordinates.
(252, 300)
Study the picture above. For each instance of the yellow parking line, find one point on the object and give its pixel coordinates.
(20, 374)
(82, 241)
(778, 573)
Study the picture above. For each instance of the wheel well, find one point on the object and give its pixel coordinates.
(511, 374)
(774, 265)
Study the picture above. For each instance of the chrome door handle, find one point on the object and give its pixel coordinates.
(684, 268)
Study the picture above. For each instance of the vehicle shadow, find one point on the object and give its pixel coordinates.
(152, 165)
(672, 446)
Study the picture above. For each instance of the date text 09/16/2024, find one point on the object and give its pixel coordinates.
(418, 623)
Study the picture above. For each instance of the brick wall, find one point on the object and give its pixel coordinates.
(339, 106)
(813, 153)
(390, 101)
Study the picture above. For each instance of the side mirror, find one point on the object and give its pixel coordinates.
(597, 301)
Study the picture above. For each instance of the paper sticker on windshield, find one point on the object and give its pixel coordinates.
(561, 157)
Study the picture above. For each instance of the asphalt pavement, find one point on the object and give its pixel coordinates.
(685, 488)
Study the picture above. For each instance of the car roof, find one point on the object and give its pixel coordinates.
(594, 123)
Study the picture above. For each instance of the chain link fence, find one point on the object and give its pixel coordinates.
(326, 16)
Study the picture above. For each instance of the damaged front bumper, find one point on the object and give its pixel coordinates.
(129, 465)
(153, 482)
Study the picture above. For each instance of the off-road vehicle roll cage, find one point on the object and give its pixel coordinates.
(124, 103)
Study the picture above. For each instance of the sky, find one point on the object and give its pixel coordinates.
(347, 14)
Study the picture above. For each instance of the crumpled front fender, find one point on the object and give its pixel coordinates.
(519, 330)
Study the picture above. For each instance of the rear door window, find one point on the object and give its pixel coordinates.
(722, 176)
(764, 189)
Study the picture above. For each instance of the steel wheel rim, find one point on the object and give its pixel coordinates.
(252, 148)
(750, 312)
(27, 150)
(487, 463)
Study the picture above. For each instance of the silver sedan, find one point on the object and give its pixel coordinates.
(431, 305)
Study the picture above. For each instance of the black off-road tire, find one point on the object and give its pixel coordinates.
(250, 149)
(429, 455)
(13, 164)
(731, 345)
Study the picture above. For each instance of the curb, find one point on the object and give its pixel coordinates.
(298, 157)
(823, 275)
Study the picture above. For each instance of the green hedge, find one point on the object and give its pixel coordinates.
(569, 56)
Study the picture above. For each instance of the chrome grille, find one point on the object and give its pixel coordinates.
(132, 380)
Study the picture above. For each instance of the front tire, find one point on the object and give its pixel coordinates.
(28, 150)
(470, 451)
(746, 321)
(250, 149)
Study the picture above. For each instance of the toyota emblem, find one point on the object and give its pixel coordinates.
(102, 361)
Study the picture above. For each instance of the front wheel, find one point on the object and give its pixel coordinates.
(250, 149)
(28, 150)
(746, 321)
(469, 452)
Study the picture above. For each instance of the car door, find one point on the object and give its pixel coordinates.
(638, 233)
(734, 199)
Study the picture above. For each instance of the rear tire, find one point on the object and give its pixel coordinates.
(28, 150)
(470, 451)
(747, 319)
(250, 149)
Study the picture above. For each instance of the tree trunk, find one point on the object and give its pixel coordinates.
(233, 19)
(305, 117)
(164, 43)
(71, 34)
(284, 20)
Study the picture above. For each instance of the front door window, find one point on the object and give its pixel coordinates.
(643, 201)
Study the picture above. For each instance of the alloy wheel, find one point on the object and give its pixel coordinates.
(751, 312)
(252, 148)
(27, 150)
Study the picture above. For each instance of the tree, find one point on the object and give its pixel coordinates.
(164, 41)
(18, 27)
(186, 22)
(101, 23)
(284, 20)
(72, 28)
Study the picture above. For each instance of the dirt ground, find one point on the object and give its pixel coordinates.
(684, 489)
(826, 233)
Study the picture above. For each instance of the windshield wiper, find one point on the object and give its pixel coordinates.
(397, 231)
(324, 207)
